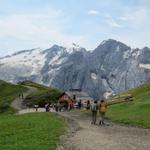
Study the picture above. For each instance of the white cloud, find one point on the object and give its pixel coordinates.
(111, 21)
(132, 18)
(93, 12)
(49, 26)
(139, 16)
(22, 31)
(123, 18)
(136, 17)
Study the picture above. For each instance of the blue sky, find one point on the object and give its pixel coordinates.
(27, 24)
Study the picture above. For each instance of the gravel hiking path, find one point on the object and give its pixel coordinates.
(30, 110)
(18, 102)
(84, 136)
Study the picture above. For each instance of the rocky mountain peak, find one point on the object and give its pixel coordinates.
(74, 48)
(110, 47)
(111, 68)
(54, 49)
(107, 41)
(112, 44)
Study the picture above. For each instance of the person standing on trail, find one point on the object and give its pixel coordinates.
(88, 105)
(102, 111)
(94, 109)
(79, 104)
(47, 107)
(36, 107)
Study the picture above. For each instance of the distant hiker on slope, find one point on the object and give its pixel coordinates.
(94, 109)
(102, 111)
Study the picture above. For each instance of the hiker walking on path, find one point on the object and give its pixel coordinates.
(102, 111)
(79, 104)
(94, 109)
(47, 107)
(88, 105)
(36, 107)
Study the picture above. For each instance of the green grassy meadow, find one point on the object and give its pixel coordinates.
(8, 92)
(136, 112)
(35, 131)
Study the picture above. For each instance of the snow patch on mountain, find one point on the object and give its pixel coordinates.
(102, 68)
(94, 76)
(135, 53)
(52, 73)
(145, 66)
(33, 59)
(28, 58)
(57, 60)
(107, 94)
(73, 48)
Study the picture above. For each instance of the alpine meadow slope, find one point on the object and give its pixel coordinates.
(136, 112)
(8, 92)
(41, 95)
(111, 68)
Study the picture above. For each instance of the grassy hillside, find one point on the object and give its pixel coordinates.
(8, 92)
(42, 95)
(136, 112)
(39, 131)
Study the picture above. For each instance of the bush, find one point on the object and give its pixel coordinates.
(4, 105)
(42, 97)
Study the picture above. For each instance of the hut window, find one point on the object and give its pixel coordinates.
(65, 97)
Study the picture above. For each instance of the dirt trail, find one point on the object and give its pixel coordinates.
(107, 137)
(17, 103)
(84, 136)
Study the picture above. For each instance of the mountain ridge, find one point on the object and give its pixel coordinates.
(112, 67)
(71, 46)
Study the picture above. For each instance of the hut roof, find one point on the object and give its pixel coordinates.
(80, 95)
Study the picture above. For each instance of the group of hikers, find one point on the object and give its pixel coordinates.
(49, 106)
(53, 106)
(102, 108)
(94, 107)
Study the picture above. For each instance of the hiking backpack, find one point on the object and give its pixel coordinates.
(93, 107)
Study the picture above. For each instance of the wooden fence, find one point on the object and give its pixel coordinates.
(120, 99)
